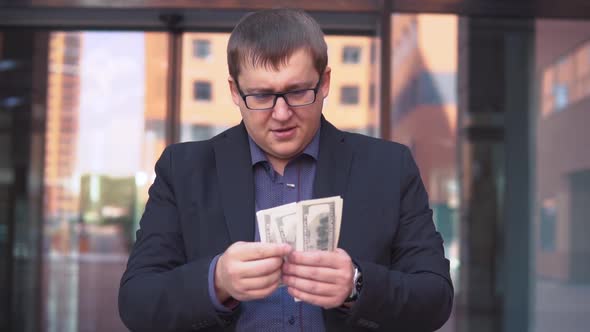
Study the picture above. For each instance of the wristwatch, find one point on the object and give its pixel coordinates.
(357, 284)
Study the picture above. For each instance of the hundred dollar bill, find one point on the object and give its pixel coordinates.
(284, 224)
(264, 228)
(306, 225)
(339, 205)
(267, 220)
(319, 224)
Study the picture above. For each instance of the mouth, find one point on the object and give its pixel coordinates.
(283, 133)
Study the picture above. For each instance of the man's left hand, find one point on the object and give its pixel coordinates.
(322, 278)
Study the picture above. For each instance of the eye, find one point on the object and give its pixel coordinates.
(298, 93)
(262, 97)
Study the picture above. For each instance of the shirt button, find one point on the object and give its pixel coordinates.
(292, 320)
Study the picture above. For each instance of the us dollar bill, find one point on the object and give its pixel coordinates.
(264, 228)
(285, 226)
(319, 224)
(306, 225)
(268, 219)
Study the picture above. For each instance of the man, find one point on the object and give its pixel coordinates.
(198, 263)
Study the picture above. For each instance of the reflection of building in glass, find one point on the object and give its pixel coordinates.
(61, 205)
(206, 104)
(107, 209)
(156, 89)
(352, 104)
(424, 100)
(563, 161)
(566, 81)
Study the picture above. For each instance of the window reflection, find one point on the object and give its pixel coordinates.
(105, 130)
(349, 95)
(561, 295)
(349, 105)
(201, 48)
(351, 54)
(424, 99)
(567, 79)
(207, 107)
(202, 91)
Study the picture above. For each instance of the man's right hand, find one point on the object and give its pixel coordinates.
(249, 270)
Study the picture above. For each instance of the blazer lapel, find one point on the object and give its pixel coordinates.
(234, 171)
(334, 162)
(332, 175)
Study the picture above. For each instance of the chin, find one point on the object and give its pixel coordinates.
(284, 149)
(285, 153)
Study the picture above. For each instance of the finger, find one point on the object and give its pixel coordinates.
(261, 267)
(312, 287)
(258, 283)
(251, 251)
(320, 301)
(331, 259)
(257, 293)
(327, 275)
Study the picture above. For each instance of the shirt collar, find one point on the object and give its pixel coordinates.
(312, 149)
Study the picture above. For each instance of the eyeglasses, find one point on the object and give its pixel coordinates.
(267, 101)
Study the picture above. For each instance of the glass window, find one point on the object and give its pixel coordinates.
(546, 95)
(547, 228)
(351, 54)
(424, 102)
(200, 120)
(361, 116)
(560, 292)
(560, 96)
(99, 162)
(207, 109)
(202, 91)
(349, 95)
(201, 48)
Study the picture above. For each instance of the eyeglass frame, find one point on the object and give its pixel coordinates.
(277, 95)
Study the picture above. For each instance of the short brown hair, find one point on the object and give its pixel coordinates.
(268, 38)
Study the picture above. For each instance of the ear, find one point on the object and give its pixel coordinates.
(233, 89)
(325, 87)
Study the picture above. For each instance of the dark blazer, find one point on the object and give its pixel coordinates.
(202, 201)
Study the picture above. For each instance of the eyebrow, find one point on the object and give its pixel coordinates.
(290, 87)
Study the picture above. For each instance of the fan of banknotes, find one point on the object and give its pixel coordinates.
(306, 226)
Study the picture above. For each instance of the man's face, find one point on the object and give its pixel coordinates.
(283, 131)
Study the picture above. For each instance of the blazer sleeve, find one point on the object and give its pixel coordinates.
(160, 290)
(415, 292)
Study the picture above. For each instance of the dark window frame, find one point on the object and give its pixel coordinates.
(350, 95)
(351, 54)
(202, 91)
(201, 48)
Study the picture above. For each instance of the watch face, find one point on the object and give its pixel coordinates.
(359, 282)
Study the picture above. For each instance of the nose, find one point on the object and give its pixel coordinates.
(281, 111)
